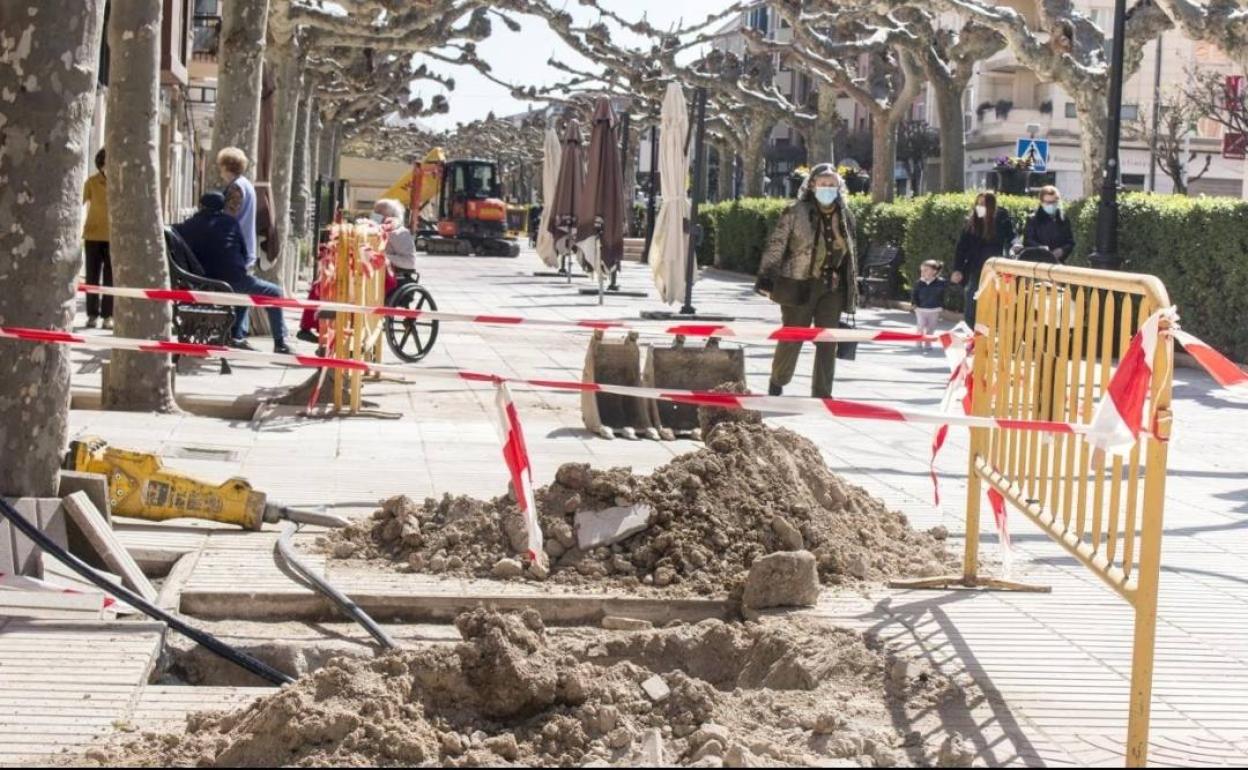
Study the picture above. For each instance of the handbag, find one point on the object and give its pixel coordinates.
(847, 351)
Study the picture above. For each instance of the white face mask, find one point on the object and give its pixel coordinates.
(378, 218)
(981, 211)
(826, 196)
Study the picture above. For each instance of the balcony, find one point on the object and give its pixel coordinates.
(1003, 61)
(205, 37)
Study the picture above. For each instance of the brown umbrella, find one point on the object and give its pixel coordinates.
(602, 200)
(563, 207)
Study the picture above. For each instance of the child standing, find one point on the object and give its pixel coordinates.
(928, 298)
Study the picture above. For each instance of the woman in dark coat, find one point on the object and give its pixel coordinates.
(1049, 228)
(988, 233)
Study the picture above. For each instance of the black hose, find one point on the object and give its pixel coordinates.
(209, 642)
(286, 548)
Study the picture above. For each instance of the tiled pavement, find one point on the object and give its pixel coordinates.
(1055, 668)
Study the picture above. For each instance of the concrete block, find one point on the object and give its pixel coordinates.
(598, 529)
(95, 485)
(656, 689)
(20, 556)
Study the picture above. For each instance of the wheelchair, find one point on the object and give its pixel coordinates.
(410, 339)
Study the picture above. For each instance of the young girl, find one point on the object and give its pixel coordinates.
(928, 298)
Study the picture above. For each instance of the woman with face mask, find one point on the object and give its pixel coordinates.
(809, 268)
(1048, 227)
(988, 233)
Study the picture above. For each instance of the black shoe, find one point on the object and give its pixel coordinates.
(308, 336)
(241, 345)
(774, 390)
(281, 348)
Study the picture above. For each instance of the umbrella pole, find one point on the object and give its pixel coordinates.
(699, 162)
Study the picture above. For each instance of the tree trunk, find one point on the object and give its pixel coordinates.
(752, 159)
(237, 119)
(823, 134)
(325, 151)
(288, 82)
(50, 51)
(1093, 110)
(952, 135)
(136, 382)
(883, 159)
(726, 172)
(302, 170)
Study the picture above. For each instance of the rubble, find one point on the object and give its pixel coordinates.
(514, 692)
(708, 517)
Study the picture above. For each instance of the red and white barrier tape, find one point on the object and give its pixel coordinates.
(516, 456)
(746, 333)
(771, 404)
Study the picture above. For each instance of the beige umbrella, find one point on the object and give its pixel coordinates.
(671, 234)
(550, 179)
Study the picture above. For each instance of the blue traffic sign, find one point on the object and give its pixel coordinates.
(1037, 151)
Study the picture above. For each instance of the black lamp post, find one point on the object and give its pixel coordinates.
(1106, 255)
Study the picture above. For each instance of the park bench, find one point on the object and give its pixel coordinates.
(881, 273)
(195, 323)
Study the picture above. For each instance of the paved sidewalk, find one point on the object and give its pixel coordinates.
(1056, 667)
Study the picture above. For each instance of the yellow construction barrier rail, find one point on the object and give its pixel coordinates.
(1050, 339)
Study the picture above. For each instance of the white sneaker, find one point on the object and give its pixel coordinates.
(108, 323)
(93, 322)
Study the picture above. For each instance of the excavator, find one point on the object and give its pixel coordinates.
(456, 207)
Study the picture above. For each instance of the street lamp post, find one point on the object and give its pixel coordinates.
(1106, 255)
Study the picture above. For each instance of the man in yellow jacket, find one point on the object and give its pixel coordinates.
(95, 237)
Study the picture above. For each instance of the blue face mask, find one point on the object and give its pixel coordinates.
(827, 195)
(1049, 208)
(378, 218)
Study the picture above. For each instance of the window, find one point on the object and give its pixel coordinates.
(1133, 182)
(1130, 112)
(1071, 112)
(759, 20)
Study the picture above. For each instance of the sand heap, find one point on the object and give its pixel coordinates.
(753, 490)
(709, 695)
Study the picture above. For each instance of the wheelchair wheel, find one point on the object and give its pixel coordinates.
(411, 339)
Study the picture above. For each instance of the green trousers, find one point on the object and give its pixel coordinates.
(823, 310)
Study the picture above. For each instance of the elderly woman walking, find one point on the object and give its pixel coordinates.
(809, 268)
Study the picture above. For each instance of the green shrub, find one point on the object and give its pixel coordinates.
(1198, 247)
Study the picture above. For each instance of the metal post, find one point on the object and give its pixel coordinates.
(1152, 150)
(1106, 255)
(625, 121)
(699, 163)
(654, 175)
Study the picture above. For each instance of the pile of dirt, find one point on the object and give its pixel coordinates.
(708, 695)
(753, 490)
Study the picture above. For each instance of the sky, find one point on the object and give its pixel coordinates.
(520, 57)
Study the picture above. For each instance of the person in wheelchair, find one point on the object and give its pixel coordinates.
(400, 247)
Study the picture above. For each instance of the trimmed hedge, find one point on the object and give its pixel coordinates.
(1198, 247)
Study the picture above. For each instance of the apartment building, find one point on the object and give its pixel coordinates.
(1006, 102)
(178, 133)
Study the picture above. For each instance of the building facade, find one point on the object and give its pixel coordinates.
(179, 137)
(1006, 102)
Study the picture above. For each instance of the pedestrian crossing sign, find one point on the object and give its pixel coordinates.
(1035, 150)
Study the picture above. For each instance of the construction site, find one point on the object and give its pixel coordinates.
(564, 467)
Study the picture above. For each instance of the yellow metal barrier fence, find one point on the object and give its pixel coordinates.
(1051, 335)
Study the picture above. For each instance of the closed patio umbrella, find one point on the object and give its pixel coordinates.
(550, 179)
(671, 234)
(601, 205)
(563, 205)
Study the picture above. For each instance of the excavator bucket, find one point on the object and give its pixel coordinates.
(608, 414)
(683, 367)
